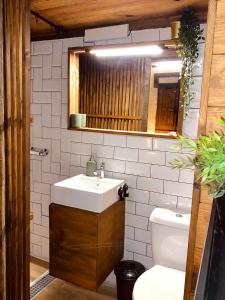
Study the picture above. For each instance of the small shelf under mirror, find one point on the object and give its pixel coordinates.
(123, 132)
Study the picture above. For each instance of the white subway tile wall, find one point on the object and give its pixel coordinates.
(142, 161)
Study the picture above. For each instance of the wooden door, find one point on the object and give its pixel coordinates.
(14, 148)
(167, 107)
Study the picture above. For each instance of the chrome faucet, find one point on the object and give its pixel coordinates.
(102, 170)
(101, 174)
(97, 178)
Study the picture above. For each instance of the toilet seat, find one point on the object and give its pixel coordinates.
(160, 283)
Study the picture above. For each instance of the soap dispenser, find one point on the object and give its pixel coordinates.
(91, 167)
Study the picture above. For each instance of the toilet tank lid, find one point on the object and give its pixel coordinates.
(170, 218)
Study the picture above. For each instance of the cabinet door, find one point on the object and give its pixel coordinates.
(73, 245)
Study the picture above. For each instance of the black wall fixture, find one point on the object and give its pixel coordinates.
(123, 192)
(58, 29)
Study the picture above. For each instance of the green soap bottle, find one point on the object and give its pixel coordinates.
(91, 167)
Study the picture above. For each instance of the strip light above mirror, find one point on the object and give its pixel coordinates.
(151, 50)
(170, 65)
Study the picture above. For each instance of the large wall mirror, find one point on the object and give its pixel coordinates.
(133, 88)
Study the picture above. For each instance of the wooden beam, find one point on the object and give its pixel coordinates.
(15, 124)
(191, 270)
(53, 35)
(57, 29)
(2, 165)
(207, 66)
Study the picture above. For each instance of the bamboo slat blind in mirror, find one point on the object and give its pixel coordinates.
(131, 93)
(118, 89)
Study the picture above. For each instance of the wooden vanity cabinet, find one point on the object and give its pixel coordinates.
(85, 246)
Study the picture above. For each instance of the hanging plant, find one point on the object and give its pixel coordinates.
(190, 35)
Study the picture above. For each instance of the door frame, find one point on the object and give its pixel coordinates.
(14, 149)
(169, 85)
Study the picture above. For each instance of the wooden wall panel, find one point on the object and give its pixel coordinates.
(190, 268)
(219, 37)
(203, 220)
(217, 81)
(15, 124)
(205, 198)
(2, 164)
(197, 258)
(212, 107)
(213, 114)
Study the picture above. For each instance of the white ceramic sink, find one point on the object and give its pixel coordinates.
(89, 193)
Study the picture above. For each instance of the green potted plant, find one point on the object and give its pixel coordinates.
(208, 162)
(190, 34)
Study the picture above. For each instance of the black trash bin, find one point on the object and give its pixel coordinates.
(127, 272)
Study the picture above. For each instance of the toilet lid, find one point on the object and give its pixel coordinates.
(160, 283)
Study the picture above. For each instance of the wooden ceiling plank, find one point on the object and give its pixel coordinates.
(152, 8)
(80, 14)
(51, 4)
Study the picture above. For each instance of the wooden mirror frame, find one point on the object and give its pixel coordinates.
(73, 94)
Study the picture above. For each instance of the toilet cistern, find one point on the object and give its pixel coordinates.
(169, 246)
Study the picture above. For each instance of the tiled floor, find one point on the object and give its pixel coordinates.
(61, 290)
(37, 269)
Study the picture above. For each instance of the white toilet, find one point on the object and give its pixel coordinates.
(165, 281)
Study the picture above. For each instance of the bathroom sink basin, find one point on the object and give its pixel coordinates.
(88, 193)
